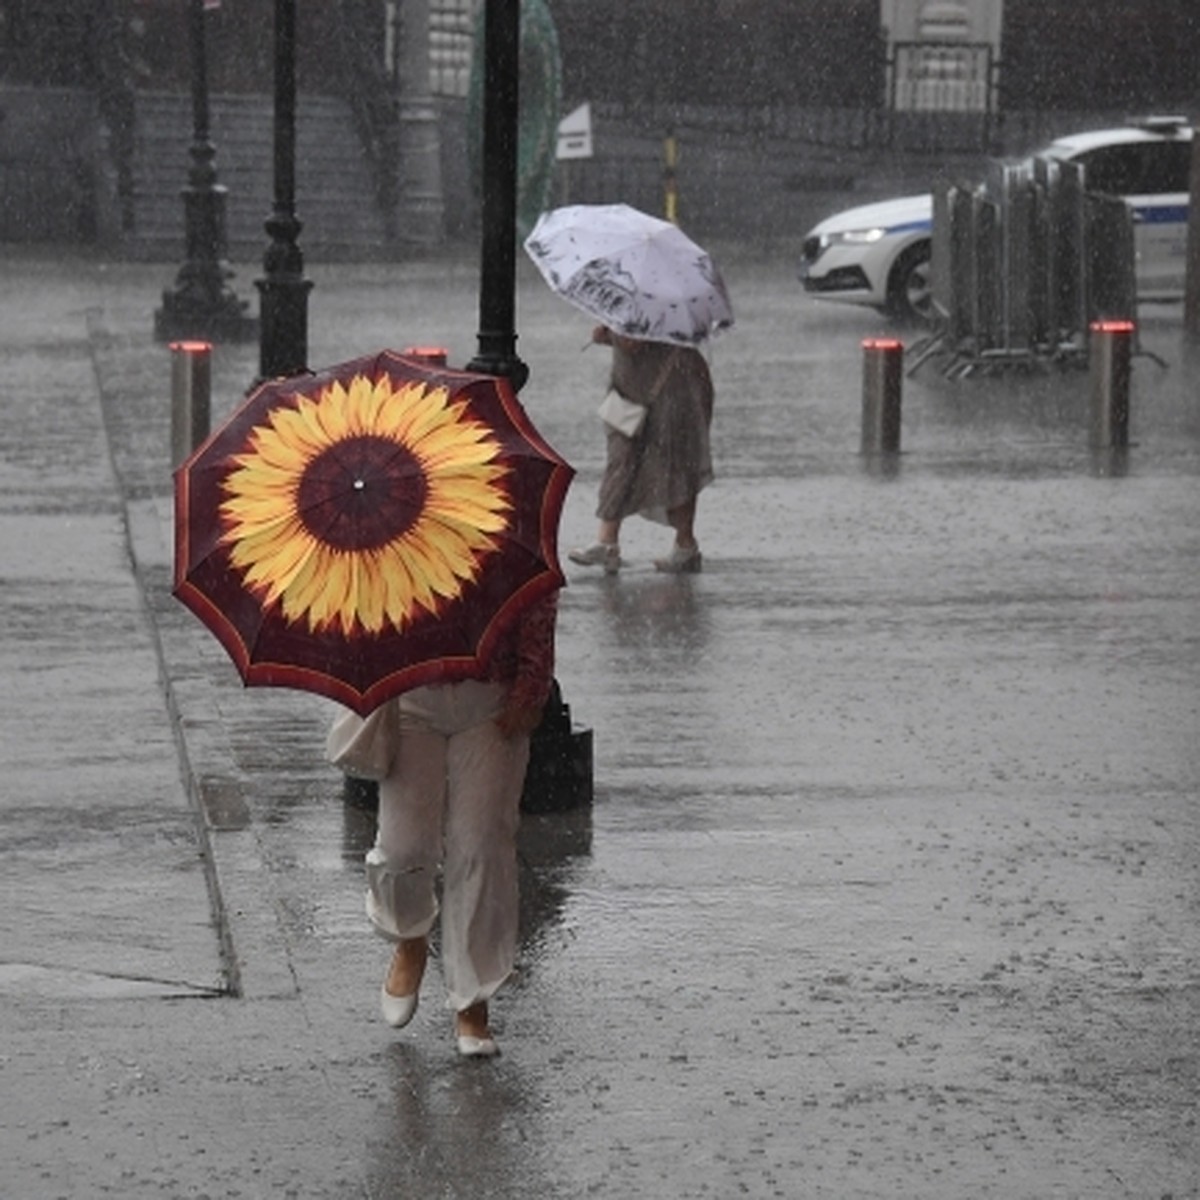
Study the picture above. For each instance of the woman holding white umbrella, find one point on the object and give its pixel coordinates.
(659, 471)
(658, 295)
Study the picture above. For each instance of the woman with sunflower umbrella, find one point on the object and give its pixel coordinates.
(384, 533)
(451, 800)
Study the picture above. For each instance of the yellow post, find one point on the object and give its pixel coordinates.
(670, 189)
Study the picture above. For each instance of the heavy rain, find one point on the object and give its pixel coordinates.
(884, 880)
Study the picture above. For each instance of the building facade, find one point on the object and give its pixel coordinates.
(742, 82)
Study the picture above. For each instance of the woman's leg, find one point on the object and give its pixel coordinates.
(683, 520)
(620, 476)
(609, 533)
(402, 866)
(486, 774)
(685, 557)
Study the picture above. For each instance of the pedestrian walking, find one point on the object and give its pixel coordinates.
(657, 296)
(659, 458)
(384, 533)
(451, 760)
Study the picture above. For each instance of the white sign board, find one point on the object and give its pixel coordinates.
(575, 133)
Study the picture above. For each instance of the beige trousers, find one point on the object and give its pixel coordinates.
(451, 804)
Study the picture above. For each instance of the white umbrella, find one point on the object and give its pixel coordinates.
(637, 274)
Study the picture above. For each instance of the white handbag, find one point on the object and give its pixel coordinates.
(365, 747)
(627, 417)
(622, 415)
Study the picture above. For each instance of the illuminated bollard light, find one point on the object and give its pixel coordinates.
(883, 359)
(1109, 350)
(431, 356)
(191, 396)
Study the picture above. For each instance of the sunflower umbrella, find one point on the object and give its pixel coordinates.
(369, 528)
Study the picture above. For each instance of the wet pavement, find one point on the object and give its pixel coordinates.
(890, 884)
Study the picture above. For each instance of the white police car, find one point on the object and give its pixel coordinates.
(878, 254)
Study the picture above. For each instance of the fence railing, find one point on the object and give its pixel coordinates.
(1022, 264)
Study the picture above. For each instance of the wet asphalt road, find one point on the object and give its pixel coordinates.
(890, 885)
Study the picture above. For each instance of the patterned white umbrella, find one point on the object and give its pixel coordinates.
(639, 275)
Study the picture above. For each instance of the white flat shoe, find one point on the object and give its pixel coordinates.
(470, 1046)
(397, 1010)
(681, 561)
(598, 554)
(474, 1047)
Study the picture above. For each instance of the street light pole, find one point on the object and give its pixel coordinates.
(201, 304)
(283, 346)
(560, 759)
(497, 354)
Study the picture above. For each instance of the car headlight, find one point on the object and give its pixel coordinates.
(852, 237)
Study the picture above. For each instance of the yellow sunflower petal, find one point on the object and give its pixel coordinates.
(421, 594)
(454, 547)
(399, 589)
(322, 586)
(432, 565)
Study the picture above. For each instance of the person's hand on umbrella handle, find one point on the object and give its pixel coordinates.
(602, 335)
(519, 720)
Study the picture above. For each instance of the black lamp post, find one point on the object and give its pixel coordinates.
(559, 776)
(201, 304)
(283, 346)
(497, 353)
(560, 763)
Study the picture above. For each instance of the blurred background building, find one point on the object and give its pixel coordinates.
(771, 106)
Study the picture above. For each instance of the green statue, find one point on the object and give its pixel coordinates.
(540, 96)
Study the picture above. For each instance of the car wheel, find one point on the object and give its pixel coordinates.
(910, 286)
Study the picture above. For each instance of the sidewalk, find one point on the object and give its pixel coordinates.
(889, 890)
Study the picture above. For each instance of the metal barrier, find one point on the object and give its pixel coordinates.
(1022, 264)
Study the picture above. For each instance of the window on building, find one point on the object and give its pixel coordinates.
(451, 28)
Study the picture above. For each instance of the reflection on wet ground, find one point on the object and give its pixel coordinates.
(893, 839)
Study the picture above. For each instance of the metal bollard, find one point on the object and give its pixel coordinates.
(191, 396)
(1109, 351)
(559, 775)
(431, 356)
(883, 359)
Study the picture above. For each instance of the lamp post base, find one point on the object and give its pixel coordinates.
(283, 348)
(190, 314)
(202, 304)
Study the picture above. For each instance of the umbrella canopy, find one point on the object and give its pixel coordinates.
(639, 275)
(369, 528)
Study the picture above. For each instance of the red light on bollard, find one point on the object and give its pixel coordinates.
(882, 361)
(191, 392)
(431, 356)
